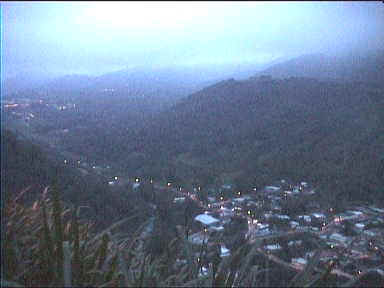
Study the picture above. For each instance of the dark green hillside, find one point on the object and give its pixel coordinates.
(24, 164)
(261, 129)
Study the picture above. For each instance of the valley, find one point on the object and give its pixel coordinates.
(220, 151)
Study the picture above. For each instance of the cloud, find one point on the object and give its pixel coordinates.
(96, 37)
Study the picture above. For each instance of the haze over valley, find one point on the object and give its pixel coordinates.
(251, 128)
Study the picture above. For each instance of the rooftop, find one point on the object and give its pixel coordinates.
(206, 219)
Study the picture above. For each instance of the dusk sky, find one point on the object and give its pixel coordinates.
(99, 37)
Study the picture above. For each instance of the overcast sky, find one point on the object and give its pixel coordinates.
(98, 37)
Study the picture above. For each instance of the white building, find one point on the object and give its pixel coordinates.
(216, 228)
(179, 200)
(356, 213)
(318, 215)
(206, 219)
(224, 251)
(272, 247)
(272, 188)
(283, 217)
(338, 237)
(360, 226)
(299, 261)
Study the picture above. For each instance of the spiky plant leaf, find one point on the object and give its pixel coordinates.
(59, 255)
(67, 267)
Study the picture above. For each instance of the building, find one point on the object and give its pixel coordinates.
(179, 200)
(338, 237)
(206, 220)
(299, 261)
(272, 188)
(224, 251)
(318, 215)
(272, 247)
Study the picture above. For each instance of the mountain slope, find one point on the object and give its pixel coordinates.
(266, 128)
(367, 67)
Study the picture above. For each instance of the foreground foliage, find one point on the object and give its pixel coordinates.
(49, 244)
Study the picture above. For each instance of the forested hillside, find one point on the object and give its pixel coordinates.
(328, 132)
(25, 167)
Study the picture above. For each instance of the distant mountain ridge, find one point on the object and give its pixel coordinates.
(352, 67)
(178, 81)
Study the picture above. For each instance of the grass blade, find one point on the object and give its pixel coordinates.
(67, 267)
